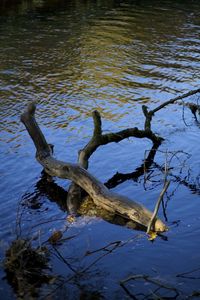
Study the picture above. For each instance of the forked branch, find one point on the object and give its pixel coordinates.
(150, 113)
(98, 192)
(99, 139)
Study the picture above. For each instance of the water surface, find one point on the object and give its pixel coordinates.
(114, 56)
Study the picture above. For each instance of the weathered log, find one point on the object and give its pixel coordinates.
(98, 192)
(74, 197)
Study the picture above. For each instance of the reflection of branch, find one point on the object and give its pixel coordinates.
(147, 278)
(84, 271)
(119, 178)
(53, 191)
(113, 245)
(195, 188)
(108, 249)
(59, 256)
(105, 248)
(189, 272)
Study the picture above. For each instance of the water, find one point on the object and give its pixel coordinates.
(71, 58)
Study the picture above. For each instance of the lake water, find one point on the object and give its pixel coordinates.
(72, 57)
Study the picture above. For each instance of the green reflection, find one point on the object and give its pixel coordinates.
(106, 55)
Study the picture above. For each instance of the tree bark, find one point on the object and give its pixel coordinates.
(101, 196)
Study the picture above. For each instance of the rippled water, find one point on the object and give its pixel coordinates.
(76, 56)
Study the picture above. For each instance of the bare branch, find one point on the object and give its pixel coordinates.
(153, 218)
(98, 192)
(97, 123)
(150, 113)
(98, 139)
(171, 101)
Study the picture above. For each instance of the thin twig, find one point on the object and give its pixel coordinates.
(188, 272)
(153, 218)
(171, 101)
(150, 113)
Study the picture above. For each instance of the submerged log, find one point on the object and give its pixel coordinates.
(101, 196)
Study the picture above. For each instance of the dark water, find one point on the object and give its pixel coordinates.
(76, 56)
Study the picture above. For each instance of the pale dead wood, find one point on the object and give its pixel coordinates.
(98, 139)
(153, 218)
(98, 192)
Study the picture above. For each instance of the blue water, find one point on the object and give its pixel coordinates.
(72, 58)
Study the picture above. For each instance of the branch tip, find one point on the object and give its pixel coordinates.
(145, 110)
(97, 123)
(96, 113)
(31, 108)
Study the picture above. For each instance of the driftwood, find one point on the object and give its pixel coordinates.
(77, 189)
(101, 196)
(74, 197)
(98, 139)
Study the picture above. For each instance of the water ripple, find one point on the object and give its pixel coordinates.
(128, 54)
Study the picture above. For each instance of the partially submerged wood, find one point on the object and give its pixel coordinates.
(74, 197)
(89, 208)
(101, 196)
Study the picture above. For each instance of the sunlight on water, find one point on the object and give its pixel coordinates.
(111, 61)
(72, 57)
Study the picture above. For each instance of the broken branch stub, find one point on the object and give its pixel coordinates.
(98, 192)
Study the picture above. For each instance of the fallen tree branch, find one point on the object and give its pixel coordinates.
(98, 192)
(104, 139)
(98, 139)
